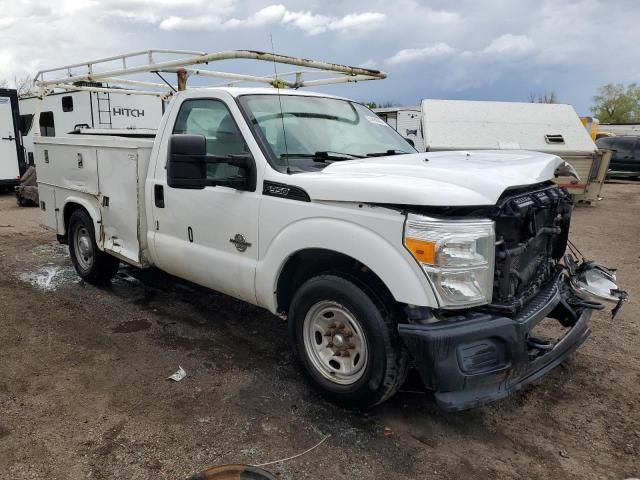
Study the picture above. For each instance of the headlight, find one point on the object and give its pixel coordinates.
(457, 257)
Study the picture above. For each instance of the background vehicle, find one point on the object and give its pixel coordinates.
(625, 159)
(27, 191)
(592, 126)
(407, 121)
(314, 208)
(12, 163)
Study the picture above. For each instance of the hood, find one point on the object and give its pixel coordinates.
(429, 179)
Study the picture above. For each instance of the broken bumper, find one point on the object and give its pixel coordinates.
(483, 357)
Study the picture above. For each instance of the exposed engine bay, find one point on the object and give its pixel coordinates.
(532, 230)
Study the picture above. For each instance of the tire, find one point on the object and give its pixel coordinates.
(347, 341)
(90, 262)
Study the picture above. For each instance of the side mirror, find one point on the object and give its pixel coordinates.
(410, 142)
(187, 163)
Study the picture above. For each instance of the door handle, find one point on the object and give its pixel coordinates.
(10, 138)
(158, 195)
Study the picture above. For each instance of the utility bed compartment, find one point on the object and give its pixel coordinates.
(106, 176)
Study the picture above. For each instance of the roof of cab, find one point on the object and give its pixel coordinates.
(239, 91)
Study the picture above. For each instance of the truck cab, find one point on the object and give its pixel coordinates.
(309, 205)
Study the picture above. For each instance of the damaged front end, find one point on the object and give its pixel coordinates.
(474, 356)
(595, 284)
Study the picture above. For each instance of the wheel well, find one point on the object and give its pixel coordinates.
(69, 208)
(309, 263)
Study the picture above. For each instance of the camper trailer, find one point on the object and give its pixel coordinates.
(406, 121)
(62, 113)
(12, 164)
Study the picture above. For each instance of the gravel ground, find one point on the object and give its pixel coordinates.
(84, 394)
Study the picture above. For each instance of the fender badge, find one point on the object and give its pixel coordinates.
(240, 243)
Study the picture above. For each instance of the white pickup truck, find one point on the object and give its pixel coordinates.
(309, 205)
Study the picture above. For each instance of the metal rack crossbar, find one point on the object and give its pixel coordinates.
(80, 76)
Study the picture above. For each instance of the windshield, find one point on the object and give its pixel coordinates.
(310, 132)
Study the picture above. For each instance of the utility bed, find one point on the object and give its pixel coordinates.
(104, 173)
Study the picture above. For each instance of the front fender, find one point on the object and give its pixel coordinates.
(389, 261)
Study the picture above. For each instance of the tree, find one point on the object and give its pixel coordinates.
(617, 103)
(386, 104)
(544, 97)
(24, 85)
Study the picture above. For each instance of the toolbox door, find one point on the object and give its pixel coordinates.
(48, 207)
(118, 179)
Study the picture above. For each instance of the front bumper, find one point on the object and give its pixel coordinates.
(483, 357)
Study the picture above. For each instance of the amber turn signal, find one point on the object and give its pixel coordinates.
(423, 251)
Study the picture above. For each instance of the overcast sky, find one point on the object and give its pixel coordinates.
(468, 49)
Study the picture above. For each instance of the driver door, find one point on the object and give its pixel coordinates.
(209, 236)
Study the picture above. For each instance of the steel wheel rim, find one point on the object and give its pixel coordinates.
(335, 342)
(83, 247)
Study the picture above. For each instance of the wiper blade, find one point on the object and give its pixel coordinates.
(388, 153)
(322, 156)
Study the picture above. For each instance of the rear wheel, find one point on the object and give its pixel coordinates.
(90, 262)
(347, 341)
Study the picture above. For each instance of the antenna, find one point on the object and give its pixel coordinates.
(277, 85)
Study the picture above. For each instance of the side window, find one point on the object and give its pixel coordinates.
(212, 119)
(67, 104)
(47, 125)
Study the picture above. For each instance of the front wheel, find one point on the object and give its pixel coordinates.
(347, 341)
(90, 262)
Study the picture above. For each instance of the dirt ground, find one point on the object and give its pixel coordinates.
(84, 394)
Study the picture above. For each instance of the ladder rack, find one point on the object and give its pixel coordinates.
(115, 70)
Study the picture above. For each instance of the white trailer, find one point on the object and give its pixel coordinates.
(12, 163)
(61, 113)
(407, 121)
